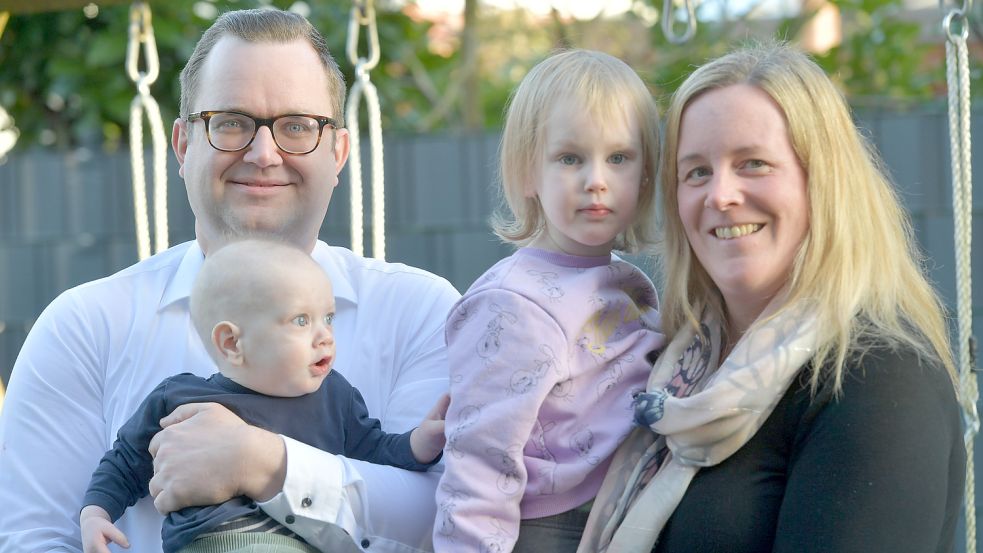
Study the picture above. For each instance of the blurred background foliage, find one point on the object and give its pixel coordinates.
(63, 81)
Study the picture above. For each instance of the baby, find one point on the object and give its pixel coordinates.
(264, 311)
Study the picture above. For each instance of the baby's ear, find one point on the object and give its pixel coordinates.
(225, 338)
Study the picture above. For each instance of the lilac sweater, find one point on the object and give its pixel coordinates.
(545, 351)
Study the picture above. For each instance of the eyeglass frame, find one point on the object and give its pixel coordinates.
(259, 122)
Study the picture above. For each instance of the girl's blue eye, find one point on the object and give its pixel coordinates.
(618, 159)
(568, 159)
(328, 319)
(301, 320)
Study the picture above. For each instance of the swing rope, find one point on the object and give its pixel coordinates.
(363, 14)
(956, 28)
(141, 33)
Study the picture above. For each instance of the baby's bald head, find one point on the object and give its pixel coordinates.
(246, 277)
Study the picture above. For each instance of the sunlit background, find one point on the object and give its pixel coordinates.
(443, 69)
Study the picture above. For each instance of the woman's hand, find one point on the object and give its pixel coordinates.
(206, 455)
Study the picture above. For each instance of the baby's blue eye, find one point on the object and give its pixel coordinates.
(328, 319)
(568, 159)
(301, 320)
(618, 159)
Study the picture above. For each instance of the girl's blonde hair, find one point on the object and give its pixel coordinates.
(858, 264)
(606, 87)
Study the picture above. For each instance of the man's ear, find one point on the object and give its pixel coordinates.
(342, 147)
(225, 338)
(179, 141)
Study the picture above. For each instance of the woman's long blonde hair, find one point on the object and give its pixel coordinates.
(858, 265)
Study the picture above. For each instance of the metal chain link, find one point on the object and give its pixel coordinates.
(363, 14)
(956, 28)
(667, 22)
(141, 33)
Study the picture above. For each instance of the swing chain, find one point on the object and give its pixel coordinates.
(955, 25)
(363, 14)
(141, 34)
(667, 22)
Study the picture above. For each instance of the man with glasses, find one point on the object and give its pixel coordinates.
(260, 145)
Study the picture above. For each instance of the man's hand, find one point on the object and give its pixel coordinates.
(98, 530)
(427, 440)
(206, 455)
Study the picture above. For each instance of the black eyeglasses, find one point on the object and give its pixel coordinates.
(295, 133)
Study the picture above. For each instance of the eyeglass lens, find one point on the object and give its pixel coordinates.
(293, 133)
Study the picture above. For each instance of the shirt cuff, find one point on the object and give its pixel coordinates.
(313, 495)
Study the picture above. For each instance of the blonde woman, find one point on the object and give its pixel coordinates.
(806, 401)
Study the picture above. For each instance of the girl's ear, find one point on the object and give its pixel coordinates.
(225, 338)
(529, 189)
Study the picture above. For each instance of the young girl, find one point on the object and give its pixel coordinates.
(548, 346)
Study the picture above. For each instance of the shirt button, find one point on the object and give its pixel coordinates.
(289, 519)
(306, 502)
(365, 543)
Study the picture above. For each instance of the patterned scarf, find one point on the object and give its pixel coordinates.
(693, 415)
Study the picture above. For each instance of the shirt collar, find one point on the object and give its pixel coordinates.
(179, 288)
(334, 262)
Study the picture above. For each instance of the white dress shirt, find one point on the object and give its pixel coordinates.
(99, 348)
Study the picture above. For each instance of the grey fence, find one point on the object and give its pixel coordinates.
(66, 218)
